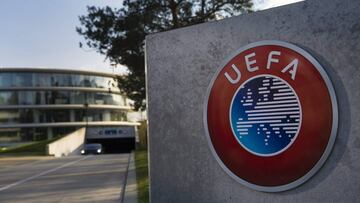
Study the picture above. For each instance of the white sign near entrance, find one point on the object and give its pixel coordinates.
(110, 132)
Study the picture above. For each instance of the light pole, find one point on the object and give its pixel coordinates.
(86, 114)
(86, 105)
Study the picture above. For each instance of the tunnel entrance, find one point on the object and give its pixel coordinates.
(115, 145)
(114, 139)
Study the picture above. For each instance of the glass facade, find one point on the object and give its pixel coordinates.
(59, 115)
(56, 80)
(23, 95)
(14, 135)
(59, 97)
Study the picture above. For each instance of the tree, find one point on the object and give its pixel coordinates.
(119, 33)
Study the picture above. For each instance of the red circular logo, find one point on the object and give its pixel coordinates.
(271, 116)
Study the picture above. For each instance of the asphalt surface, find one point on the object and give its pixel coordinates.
(90, 178)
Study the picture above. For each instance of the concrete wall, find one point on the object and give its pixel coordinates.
(68, 145)
(180, 66)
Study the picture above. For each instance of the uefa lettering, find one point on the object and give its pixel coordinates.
(271, 116)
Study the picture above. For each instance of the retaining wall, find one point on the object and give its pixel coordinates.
(68, 145)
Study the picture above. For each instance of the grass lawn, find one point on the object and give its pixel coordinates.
(142, 180)
(30, 149)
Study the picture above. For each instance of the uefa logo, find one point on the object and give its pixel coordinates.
(271, 116)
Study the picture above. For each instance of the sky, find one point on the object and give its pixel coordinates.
(266, 4)
(41, 33)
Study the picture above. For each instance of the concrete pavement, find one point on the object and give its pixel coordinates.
(70, 179)
(9, 161)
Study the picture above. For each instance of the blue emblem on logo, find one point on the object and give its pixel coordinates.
(265, 115)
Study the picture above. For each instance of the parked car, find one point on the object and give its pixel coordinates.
(93, 148)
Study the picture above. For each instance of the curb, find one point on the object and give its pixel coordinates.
(130, 195)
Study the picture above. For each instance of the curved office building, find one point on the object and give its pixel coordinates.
(38, 104)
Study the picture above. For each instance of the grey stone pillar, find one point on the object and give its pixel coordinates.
(50, 133)
(180, 66)
(72, 115)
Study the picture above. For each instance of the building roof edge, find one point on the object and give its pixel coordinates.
(57, 70)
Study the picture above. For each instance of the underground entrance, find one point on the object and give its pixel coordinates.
(114, 145)
(119, 139)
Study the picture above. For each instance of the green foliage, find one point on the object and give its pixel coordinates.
(31, 149)
(142, 176)
(143, 135)
(119, 33)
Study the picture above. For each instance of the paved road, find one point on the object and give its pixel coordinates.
(71, 179)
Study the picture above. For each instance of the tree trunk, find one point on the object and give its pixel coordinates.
(174, 12)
